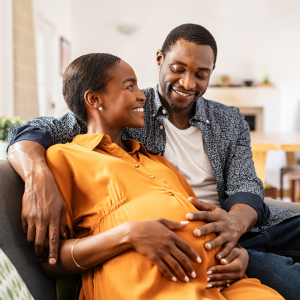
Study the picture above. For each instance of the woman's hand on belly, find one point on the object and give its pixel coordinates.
(155, 240)
(232, 268)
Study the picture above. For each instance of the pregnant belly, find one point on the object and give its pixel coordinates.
(132, 273)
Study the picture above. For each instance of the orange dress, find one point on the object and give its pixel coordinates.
(104, 186)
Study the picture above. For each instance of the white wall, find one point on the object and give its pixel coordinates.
(55, 15)
(6, 59)
(250, 34)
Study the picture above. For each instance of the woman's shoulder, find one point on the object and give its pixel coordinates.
(59, 151)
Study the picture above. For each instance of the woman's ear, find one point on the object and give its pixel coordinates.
(92, 99)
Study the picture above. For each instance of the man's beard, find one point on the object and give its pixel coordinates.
(168, 98)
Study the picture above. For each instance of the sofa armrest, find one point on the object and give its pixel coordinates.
(13, 240)
(285, 205)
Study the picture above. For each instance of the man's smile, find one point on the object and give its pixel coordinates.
(183, 94)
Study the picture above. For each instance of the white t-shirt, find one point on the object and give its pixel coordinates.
(186, 152)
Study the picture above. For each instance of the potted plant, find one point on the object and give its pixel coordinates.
(5, 125)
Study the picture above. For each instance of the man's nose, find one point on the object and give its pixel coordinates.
(187, 81)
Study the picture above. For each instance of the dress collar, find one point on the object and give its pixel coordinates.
(97, 140)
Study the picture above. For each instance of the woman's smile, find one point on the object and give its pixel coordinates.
(138, 111)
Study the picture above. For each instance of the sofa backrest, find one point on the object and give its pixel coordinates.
(12, 238)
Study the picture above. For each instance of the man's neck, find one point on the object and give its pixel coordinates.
(179, 119)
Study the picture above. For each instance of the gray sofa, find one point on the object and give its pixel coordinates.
(13, 241)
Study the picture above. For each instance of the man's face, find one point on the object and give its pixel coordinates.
(184, 73)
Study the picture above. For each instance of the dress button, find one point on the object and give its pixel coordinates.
(161, 127)
(153, 115)
(136, 166)
(207, 121)
(166, 186)
(151, 176)
(163, 111)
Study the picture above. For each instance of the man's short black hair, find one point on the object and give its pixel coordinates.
(87, 72)
(192, 33)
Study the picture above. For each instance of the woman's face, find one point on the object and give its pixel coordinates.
(122, 100)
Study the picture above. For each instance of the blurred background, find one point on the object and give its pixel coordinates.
(258, 45)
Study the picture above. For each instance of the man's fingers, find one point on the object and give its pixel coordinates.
(226, 249)
(63, 224)
(207, 229)
(202, 205)
(204, 216)
(39, 244)
(230, 257)
(24, 224)
(218, 241)
(53, 242)
(31, 233)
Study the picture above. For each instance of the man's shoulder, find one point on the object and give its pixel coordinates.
(149, 91)
(150, 95)
(220, 108)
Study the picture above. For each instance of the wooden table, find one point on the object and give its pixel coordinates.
(261, 143)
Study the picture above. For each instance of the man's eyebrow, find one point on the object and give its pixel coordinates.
(129, 79)
(185, 65)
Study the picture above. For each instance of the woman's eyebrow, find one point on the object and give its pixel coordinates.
(129, 79)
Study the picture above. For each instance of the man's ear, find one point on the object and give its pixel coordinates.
(92, 99)
(159, 58)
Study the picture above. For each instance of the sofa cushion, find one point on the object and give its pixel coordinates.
(13, 240)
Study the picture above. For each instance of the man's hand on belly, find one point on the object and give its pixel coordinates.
(227, 227)
(155, 240)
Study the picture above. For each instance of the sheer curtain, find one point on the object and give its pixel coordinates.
(25, 83)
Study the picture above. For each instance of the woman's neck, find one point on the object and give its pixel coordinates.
(114, 134)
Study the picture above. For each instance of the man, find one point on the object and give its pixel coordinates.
(208, 143)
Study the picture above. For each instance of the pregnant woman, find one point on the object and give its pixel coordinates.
(119, 197)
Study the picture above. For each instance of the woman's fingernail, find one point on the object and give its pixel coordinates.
(189, 216)
(52, 261)
(224, 260)
(197, 232)
(209, 272)
(194, 274)
(186, 279)
(208, 279)
(174, 278)
(199, 259)
(219, 289)
(209, 285)
(208, 246)
(185, 222)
